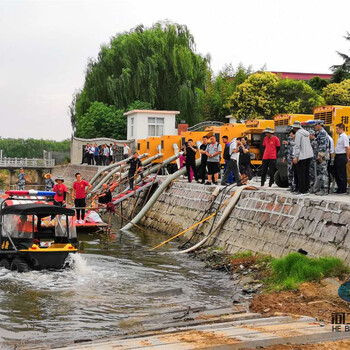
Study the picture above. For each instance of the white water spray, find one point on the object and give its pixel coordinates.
(80, 265)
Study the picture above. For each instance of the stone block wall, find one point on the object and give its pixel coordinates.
(68, 170)
(262, 221)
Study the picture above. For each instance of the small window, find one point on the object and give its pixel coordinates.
(151, 130)
(155, 126)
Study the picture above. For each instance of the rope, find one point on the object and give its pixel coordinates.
(181, 233)
(198, 223)
(222, 192)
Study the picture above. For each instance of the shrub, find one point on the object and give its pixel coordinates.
(292, 270)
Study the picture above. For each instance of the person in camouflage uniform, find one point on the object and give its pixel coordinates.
(49, 183)
(21, 183)
(322, 158)
(312, 171)
(288, 158)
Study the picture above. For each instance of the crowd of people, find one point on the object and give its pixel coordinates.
(236, 155)
(311, 158)
(105, 154)
(313, 161)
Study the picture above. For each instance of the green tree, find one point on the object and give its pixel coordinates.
(337, 93)
(342, 71)
(318, 84)
(139, 105)
(264, 95)
(102, 121)
(220, 88)
(157, 65)
(31, 148)
(255, 97)
(296, 96)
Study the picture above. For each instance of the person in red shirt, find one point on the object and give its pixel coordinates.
(271, 146)
(61, 192)
(79, 196)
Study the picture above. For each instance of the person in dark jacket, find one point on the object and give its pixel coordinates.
(244, 160)
(203, 167)
(190, 152)
(135, 168)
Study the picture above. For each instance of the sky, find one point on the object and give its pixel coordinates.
(45, 46)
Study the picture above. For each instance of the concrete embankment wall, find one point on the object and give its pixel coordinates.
(267, 221)
(68, 170)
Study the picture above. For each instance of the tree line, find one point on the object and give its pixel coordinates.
(31, 148)
(159, 68)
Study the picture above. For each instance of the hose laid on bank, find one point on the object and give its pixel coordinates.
(233, 201)
(184, 231)
(157, 193)
(219, 190)
(198, 223)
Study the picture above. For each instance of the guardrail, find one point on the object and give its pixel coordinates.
(26, 163)
(203, 125)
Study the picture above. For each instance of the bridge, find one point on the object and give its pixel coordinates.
(33, 163)
(41, 165)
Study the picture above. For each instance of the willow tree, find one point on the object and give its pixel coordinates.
(156, 65)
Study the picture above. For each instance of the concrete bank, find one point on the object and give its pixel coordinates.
(270, 221)
(68, 171)
(222, 329)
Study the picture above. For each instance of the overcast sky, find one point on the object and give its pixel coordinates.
(44, 45)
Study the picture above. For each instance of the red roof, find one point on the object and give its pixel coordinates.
(302, 76)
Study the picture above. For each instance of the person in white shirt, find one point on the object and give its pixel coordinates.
(342, 153)
(232, 164)
(330, 165)
(126, 151)
(106, 155)
(91, 152)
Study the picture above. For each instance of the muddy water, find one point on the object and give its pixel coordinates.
(108, 284)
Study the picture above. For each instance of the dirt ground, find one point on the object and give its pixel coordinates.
(318, 300)
(336, 345)
(198, 339)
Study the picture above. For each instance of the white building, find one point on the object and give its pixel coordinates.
(231, 119)
(145, 123)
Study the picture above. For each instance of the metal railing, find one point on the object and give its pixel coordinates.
(203, 125)
(26, 163)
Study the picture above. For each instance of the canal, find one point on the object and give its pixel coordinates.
(110, 282)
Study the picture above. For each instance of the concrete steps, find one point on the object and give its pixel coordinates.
(219, 329)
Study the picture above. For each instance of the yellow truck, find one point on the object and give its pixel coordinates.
(141, 146)
(333, 115)
(289, 119)
(254, 133)
(153, 147)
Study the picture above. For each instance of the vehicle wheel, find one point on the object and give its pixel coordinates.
(5, 263)
(19, 265)
(280, 181)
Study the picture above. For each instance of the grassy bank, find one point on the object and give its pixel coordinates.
(276, 274)
(293, 285)
(291, 271)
